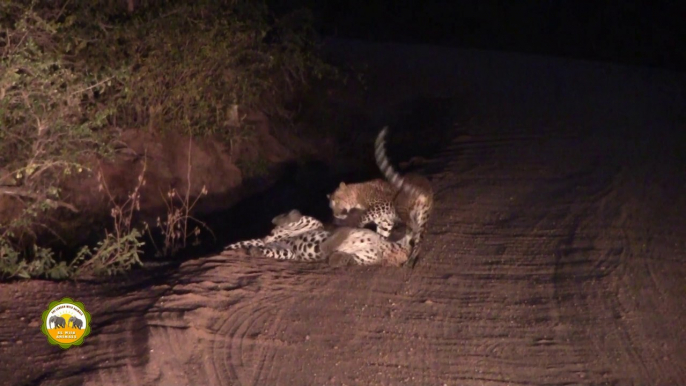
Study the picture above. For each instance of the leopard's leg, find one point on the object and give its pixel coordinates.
(277, 236)
(383, 215)
(420, 217)
(245, 244)
(274, 251)
(395, 255)
(416, 248)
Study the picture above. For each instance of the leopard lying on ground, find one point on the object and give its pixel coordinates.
(287, 225)
(304, 238)
(407, 198)
(294, 237)
(360, 246)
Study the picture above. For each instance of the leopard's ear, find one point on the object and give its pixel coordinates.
(278, 219)
(342, 185)
(328, 196)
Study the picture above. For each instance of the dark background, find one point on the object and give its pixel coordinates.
(631, 32)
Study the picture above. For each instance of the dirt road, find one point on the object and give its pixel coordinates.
(556, 254)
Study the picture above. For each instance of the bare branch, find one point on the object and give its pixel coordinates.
(20, 192)
(91, 87)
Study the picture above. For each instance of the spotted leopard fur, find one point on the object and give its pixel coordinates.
(360, 246)
(407, 199)
(303, 238)
(303, 247)
(287, 225)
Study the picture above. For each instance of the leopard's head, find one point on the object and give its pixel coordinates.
(343, 200)
(294, 221)
(287, 218)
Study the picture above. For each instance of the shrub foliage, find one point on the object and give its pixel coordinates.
(72, 73)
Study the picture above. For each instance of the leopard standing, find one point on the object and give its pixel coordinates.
(407, 198)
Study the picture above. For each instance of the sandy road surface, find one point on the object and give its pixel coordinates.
(556, 254)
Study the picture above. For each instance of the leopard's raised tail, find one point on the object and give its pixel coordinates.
(415, 194)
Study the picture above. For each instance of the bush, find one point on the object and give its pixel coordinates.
(51, 117)
(51, 122)
(193, 61)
